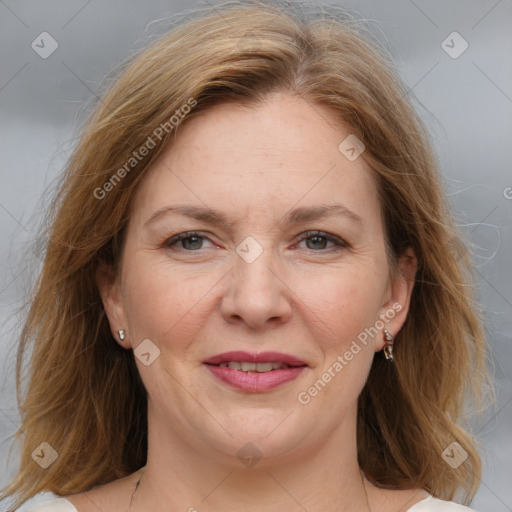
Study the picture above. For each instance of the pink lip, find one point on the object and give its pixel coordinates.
(263, 357)
(254, 382)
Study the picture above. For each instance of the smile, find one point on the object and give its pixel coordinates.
(255, 372)
(254, 367)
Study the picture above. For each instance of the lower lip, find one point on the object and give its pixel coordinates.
(255, 382)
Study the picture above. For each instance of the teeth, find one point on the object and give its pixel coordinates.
(253, 367)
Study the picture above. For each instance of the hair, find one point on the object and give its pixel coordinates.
(85, 396)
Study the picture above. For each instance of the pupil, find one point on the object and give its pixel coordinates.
(197, 239)
(322, 246)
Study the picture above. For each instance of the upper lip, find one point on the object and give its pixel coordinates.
(262, 357)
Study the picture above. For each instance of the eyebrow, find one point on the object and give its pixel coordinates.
(296, 216)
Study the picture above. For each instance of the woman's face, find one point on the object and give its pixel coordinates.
(256, 281)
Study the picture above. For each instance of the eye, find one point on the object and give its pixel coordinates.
(319, 240)
(191, 241)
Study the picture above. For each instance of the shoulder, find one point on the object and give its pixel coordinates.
(53, 505)
(111, 497)
(431, 504)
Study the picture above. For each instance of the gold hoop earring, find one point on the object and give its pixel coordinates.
(122, 334)
(388, 347)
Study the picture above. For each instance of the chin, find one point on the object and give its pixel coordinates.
(273, 437)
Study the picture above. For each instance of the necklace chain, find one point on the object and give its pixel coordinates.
(144, 470)
(135, 491)
(365, 493)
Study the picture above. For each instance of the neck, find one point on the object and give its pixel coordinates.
(182, 474)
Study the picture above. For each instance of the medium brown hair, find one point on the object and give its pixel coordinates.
(85, 397)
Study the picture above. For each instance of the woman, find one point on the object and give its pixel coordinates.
(252, 294)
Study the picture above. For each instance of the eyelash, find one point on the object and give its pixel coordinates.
(306, 235)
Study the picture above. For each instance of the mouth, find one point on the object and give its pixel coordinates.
(244, 366)
(255, 373)
(262, 362)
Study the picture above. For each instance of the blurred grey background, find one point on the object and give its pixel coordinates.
(463, 94)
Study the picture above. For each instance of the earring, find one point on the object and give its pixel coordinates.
(122, 334)
(388, 347)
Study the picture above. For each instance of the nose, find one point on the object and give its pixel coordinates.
(257, 293)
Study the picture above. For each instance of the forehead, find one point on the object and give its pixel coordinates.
(256, 159)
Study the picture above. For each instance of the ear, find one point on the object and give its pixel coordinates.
(394, 311)
(108, 286)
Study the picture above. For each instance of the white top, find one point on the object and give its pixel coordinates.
(58, 505)
(429, 504)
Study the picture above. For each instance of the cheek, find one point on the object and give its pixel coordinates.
(343, 306)
(345, 300)
(347, 350)
(160, 301)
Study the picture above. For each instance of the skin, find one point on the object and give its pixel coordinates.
(309, 298)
